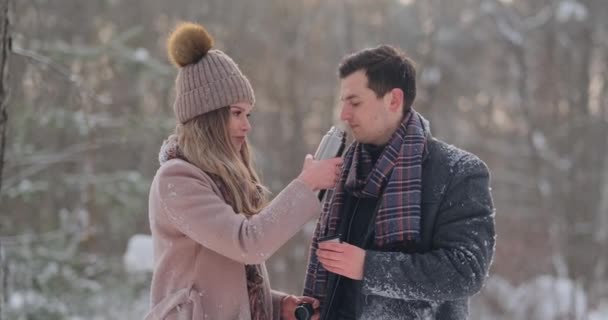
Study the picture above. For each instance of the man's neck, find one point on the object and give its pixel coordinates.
(374, 151)
(383, 141)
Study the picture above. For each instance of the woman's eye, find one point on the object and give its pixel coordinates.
(236, 113)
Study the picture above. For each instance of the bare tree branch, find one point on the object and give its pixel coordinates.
(71, 77)
(5, 44)
(4, 89)
(43, 162)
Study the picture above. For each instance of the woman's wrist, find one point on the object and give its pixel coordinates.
(307, 182)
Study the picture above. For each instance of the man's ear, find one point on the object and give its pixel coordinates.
(395, 100)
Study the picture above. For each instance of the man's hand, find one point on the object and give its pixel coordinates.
(342, 258)
(289, 304)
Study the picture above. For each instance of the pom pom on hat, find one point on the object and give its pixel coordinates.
(207, 79)
(188, 44)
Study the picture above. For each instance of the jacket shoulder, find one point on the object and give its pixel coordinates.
(444, 165)
(181, 168)
(177, 171)
(452, 158)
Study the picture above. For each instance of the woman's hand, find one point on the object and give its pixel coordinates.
(321, 174)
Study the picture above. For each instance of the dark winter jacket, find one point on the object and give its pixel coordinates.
(433, 278)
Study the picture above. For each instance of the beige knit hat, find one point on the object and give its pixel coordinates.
(207, 79)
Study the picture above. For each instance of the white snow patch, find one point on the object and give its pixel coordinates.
(141, 55)
(139, 256)
(570, 10)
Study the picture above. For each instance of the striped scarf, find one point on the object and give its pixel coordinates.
(255, 281)
(395, 179)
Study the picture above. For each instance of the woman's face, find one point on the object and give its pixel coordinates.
(239, 125)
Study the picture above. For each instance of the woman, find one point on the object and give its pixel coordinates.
(211, 223)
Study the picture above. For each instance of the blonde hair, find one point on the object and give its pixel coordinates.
(205, 142)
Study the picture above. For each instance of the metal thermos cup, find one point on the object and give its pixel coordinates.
(332, 145)
(304, 311)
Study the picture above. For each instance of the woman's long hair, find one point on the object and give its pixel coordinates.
(205, 142)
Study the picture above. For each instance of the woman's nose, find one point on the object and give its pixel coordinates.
(247, 125)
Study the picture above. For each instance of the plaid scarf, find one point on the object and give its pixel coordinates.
(255, 281)
(395, 179)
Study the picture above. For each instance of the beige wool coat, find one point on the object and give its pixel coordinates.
(201, 246)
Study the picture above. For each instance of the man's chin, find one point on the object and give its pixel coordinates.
(357, 135)
(359, 139)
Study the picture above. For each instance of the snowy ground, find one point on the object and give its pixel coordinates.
(125, 295)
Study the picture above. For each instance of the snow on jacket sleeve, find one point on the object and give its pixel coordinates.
(195, 209)
(463, 246)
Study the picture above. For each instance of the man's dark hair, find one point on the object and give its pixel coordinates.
(386, 68)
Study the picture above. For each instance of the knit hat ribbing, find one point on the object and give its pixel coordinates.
(207, 79)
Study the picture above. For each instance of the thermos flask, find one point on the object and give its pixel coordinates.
(332, 145)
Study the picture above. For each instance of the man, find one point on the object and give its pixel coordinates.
(414, 215)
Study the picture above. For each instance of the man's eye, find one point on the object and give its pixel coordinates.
(236, 113)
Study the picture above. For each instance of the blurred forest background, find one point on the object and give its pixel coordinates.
(86, 102)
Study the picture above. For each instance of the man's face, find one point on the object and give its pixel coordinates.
(371, 119)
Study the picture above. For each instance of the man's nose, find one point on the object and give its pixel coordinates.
(345, 113)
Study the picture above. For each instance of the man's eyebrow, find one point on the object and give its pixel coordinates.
(349, 97)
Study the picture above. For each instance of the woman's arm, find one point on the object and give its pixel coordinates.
(195, 209)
